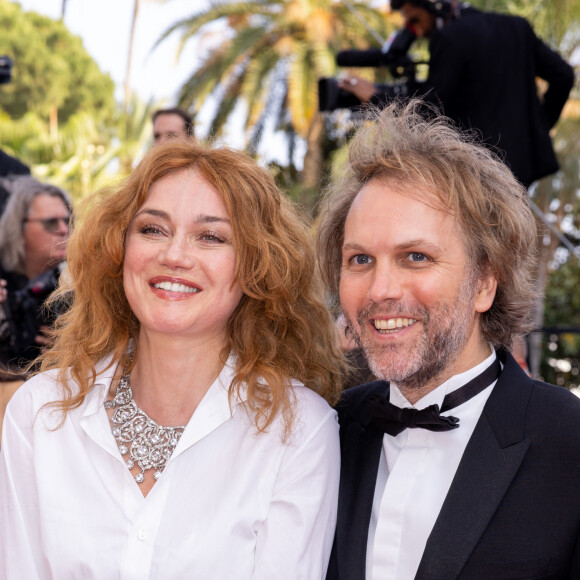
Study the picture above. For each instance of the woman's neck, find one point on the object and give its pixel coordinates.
(171, 377)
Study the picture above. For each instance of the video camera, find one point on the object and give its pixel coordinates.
(393, 54)
(5, 69)
(26, 312)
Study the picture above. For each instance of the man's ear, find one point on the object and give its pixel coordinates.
(486, 289)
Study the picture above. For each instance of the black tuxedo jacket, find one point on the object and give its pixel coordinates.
(513, 508)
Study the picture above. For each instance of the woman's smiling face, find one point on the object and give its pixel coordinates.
(179, 267)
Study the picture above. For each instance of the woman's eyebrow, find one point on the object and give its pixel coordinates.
(200, 218)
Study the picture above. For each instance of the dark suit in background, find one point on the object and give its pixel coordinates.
(482, 72)
(483, 68)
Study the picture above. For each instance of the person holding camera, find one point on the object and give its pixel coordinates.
(482, 74)
(34, 231)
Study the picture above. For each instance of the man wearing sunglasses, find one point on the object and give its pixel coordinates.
(34, 232)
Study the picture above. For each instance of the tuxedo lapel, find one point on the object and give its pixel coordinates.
(361, 450)
(491, 459)
(483, 477)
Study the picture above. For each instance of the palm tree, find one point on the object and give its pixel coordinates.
(270, 55)
(134, 133)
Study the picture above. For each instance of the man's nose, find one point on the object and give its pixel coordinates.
(63, 227)
(386, 283)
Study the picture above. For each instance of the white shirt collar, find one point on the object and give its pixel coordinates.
(436, 396)
(213, 410)
(106, 369)
(95, 399)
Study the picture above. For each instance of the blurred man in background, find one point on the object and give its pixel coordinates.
(174, 123)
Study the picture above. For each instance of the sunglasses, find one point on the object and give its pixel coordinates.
(50, 224)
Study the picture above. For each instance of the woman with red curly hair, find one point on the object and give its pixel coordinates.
(181, 426)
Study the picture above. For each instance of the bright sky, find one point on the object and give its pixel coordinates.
(104, 26)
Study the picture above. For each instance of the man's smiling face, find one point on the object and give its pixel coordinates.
(407, 287)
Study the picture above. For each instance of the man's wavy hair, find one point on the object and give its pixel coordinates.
(281, 328)
(412, 152)
(23, 191)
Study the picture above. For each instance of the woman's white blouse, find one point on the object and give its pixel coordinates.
(232, 504)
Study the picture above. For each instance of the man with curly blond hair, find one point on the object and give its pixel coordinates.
(456, 464)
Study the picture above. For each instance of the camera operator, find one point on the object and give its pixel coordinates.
(34, 231)
(482, 73)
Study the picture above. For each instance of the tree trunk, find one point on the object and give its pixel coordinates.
(126, 160)
(535, 339)
(127, 87)
(53, 123)
(547, 244)
(313, 163)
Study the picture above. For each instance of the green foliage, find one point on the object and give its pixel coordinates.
(75, 160)
(133, 133)
(51, 69)
(95, 142)
(559, 197)
(563, 297)
(83, 157)
(561, 363)
(557, 22)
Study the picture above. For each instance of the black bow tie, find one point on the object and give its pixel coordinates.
(393, 420)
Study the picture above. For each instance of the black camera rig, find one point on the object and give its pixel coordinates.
(394, 54)
(5, 69)
(26, 312)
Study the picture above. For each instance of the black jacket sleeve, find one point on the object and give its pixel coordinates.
(560, 77)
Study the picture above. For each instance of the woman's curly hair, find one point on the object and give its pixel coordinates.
(281, 328)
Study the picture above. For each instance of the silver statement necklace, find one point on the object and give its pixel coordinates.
(147, 444)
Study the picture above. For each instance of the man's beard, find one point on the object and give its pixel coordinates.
(446, 330)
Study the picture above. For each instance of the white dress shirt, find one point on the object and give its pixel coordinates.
(230, 504)
(416, 469)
